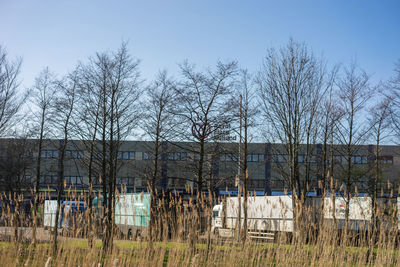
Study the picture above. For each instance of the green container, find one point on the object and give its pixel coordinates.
(133, 209)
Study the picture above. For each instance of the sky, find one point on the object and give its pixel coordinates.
(58, 34)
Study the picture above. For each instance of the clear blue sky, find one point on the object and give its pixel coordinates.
(58, 33)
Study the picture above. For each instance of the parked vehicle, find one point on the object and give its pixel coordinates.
(268, 215)
(71, 214)
(360, 212)
(132, 214)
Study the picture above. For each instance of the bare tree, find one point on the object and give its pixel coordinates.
(113, 85)
(204, 103)
(43, 93)
(351, 131)
(62, 117)
(291, 84)
(395, 82)
(86, 128)
(16, 162)
(157, 122)
(11, 100)
(381, 129)
(329, 115)
(394, 85)
(247, 120)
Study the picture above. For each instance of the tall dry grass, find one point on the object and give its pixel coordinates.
(180, 238)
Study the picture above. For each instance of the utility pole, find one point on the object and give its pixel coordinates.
(238, 174)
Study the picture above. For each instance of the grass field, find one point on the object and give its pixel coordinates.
(179, 241)
(226, 253)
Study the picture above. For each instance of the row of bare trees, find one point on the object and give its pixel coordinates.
(295, 99)
(305, 104)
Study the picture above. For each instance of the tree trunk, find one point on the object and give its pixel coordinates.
(37, 184)
(63, 144)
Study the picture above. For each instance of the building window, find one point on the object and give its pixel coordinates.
(126, 155)
(359, 159)
(47, 153)
(386, 159)
(149, 156)
(74, 154)
(302, 158)
(255, 157)
(73, 180)
(27, 154)
(124, 180)
(48, 179)
(228, 157)
(281, 158)
(99, 155)
(177, 156)
(257, 183)
(146, 156)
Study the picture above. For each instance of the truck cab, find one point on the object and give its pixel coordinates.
(216, 222)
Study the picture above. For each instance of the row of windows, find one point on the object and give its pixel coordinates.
(53, 179)
(282, 158)
(49, 154)
(23, 154)
(359, 159)
(228, 157)
(182, 156)
(73, 180)
(176, 182)
(74, 154)
(386, 159)
(48, 179)
(130, 181)
(256, 183)
(130, 155)
(255, 157)
(177, 156)
(126, 155)
(77, 180)
(71, 154)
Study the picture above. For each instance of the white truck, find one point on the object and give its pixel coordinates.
(132, 214)
(71, 214)
(360, 212)
(266, 216)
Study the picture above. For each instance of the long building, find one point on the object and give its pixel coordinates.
(178, 166)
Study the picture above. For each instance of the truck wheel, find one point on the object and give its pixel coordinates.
(216, 232)
(129, 235)
(134, 235)
(139, 235)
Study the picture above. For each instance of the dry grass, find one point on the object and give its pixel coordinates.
(177, 241)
